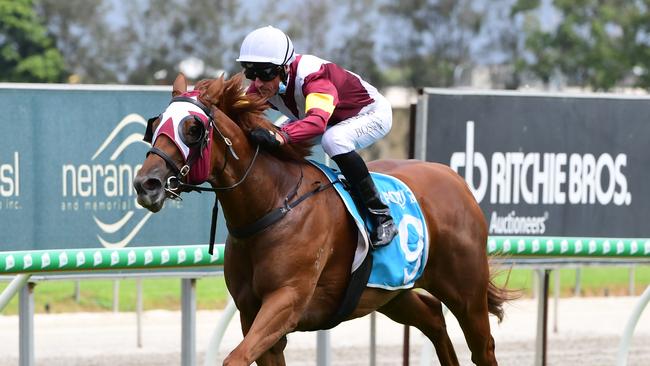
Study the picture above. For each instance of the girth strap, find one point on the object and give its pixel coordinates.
(358, 281)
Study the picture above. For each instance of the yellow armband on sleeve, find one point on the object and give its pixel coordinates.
(320, 101)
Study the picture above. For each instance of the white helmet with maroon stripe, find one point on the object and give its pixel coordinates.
(267, 45)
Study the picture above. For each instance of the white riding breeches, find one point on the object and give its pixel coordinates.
(371, 124)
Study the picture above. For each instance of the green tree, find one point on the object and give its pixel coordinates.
(310, 24)
(317, 14)
(500, 43)
(429, 39)
(27, 52)
(140, 42)
(90, 45)
(356, 48)
(162, 33)
(597, 43)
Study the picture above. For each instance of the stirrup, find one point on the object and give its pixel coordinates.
(389, 230)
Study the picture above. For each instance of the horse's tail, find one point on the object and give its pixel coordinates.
(498, 295)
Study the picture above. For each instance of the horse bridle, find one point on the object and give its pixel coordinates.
(175, 182)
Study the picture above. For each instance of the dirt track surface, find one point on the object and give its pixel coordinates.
(589, 331)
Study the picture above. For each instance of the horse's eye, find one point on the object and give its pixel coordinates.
(191, 131)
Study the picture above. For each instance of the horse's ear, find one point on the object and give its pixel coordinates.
(215, 89)
(180, 85)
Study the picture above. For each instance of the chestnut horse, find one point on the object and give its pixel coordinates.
(292, 275)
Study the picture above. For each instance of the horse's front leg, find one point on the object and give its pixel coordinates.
(278, 315)
(275, 355)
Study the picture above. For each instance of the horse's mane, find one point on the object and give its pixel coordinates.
(247, 111)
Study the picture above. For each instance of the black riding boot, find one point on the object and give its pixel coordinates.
(355, 171)
(385, 229)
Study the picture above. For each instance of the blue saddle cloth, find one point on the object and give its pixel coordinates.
(401, 262)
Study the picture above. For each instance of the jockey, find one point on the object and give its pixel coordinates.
(320, 99)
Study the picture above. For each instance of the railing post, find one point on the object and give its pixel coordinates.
(116, 296)
(77, 291)
(138, 310)
(406, 347)
(26, 325)
(632, 288)
(323, 348)
(556, 299)
(542, 316)
(188, 322)
(578, 289)
(373, 338)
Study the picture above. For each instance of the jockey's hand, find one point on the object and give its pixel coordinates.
(266, 138)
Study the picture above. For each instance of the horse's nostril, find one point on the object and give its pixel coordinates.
(142, 186)
(152, 184)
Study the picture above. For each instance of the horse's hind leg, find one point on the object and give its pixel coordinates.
(423, 311)
(473, 319)
(467, 298)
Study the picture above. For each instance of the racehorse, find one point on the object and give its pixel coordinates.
(292, 274)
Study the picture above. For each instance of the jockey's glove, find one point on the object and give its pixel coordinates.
(266, 138)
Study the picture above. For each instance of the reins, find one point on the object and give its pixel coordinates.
(278, 213)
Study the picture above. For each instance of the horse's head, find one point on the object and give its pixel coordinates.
(181, 147)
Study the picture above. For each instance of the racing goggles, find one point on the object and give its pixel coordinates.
(265, 72)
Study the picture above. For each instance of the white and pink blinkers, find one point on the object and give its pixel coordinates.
(183, 109)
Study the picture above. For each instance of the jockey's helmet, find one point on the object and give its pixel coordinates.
(266, 45)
